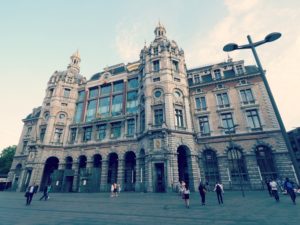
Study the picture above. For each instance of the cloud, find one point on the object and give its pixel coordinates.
(280, 58)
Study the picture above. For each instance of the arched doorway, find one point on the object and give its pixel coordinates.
(51, 165)
(112, 175)
(83, 174)
(68, 175)
(18, 171)
(184, 165)
(265, 162)
(211, 168)
(130, 173)
(237, 166)
(96, 172)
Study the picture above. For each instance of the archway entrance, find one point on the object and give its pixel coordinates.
(159, 177)
(112, 174)
(130, 173)
(265, 162)
(211, 169)
(18, 171)
(51, 165)
(68, 175)
(96, 173)
(184, 165)
(83, 174)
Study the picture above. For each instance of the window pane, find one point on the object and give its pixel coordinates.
(81, 95)
(133, 83)
(104, 106)
(117, 105)
(93, 92)
(132, 102)
(105, 89)
(118, 86)
(91, 110)
(78, 113)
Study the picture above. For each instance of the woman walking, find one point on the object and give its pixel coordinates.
(186, 196)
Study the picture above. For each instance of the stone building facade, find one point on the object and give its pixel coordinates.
(149, 124)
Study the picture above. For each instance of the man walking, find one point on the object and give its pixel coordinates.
(219, 190)
(202, 192)
(273, 185)
(45, 193)
(29, 194)
(288, 186)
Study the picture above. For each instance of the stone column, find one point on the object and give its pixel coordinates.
(253, 172)
(138, 175)
(76, 177)
(195, 173)
(120, 178)
(104, 172)
(148, 174)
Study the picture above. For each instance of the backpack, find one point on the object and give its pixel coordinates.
(218, 188)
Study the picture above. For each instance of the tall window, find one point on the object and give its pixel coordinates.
(265, 162)
(93, 92)
(142, 121)
(247, 96)
(73, 135)
(218, 74)
(118, 86)
(67, 92)
(158, 117)
(42, 133)
(81, 95)
(91, 110)
(79, 107)
(196, 78)
(204, 126)
(253, 120)
(201, 103)
(101, 131)
(130, 127)
(155, 50)
(223, 100)
(24, 146)
(87, 134)
(156, 66)
(133, 83)
(239, 69)
(50, 93)
(211, 169)
(179, 118)
(117, 105)
(132, 102)
(104, 104)
(237, 165)
(58, 135)
(227, 122)
(116, 130)
(105, 89)
(175, 66)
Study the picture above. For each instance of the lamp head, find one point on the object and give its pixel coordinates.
(230, 47)
(272, 36)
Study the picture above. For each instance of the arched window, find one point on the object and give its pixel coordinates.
(265, 162)
(210, 163)
(237, 166)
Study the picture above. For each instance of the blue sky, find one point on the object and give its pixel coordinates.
(38, 37)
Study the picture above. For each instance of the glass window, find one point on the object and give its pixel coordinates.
(237, 165)
(101, 131)
(201, 103)
(104, 104)
(42, 134)
(73, 135)
(118, 86)
(239, 69)
(265, 162)
(177, 94)
(155, 50)
(223, 100)
(117, 105)
(50, 93)
(81, 95)
(93, 92)
(79, 107)
(175, 66)
(211, 168)
(228, 124)
(158, 117)
(58, 135)
(116, 130)
(197, 78)
(130, 127)
(156, 66)
(217, 74)
(179, 118)
(132, 102)
(156, 79)
(247, 96)
(204, 126)
(91, 110)
(253, 119)
(105, 89)
(87, 134)
(157, 94)
(133, 83)
(67, 92)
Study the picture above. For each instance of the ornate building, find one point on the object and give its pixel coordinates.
(149, 124)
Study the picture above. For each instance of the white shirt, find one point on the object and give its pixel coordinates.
(273, 185)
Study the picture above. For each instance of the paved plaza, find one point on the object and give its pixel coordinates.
(147, 208)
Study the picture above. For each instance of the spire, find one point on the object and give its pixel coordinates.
(160, 31)
(75, 61)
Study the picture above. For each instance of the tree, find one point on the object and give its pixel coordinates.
(6, 158)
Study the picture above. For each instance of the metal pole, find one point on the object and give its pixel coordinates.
(275, 108)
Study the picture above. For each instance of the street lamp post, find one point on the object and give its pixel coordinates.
(269, 38)
(233, 150)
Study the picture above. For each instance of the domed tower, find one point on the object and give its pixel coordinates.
(166, 110)
(60, 102)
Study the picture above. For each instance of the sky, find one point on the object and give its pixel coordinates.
(38, 38)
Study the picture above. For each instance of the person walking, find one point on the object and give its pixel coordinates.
(202, 192)
(288, 186)
(267, 181)
(45, 193)
(186, 196)
(219, 191)
(29, 194)
(273, 185)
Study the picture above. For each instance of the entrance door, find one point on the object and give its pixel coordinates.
(159, 177)
(68, 183)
